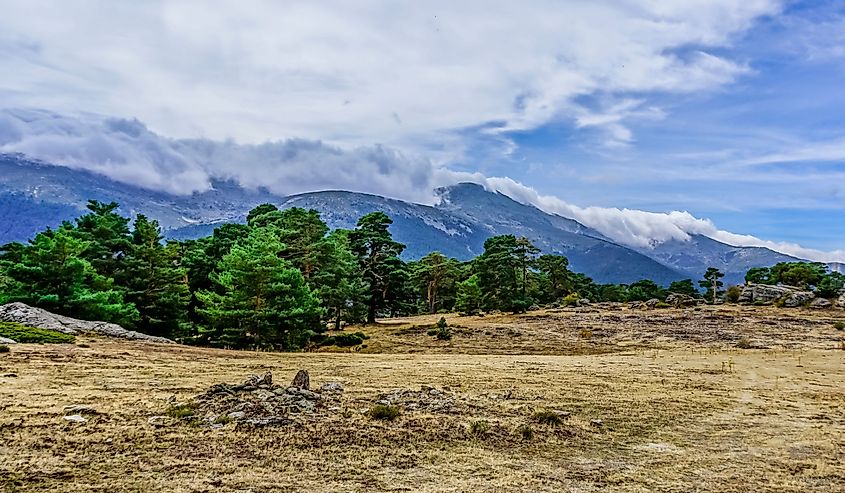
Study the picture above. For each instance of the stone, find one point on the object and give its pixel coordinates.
(252, 382)
(563, 414)
(301, 380)
(767, 294)
(332, 387)
(237, 415)
(6, 340)
(636, 305)
(584, 302)
(79, 409)
(75, 418)
(596, 423)
(652, 303)
(269, 421)
(157, 420)
(841, 301)
(37, 317)
(798, 298)
(681, 300)
(820, 303)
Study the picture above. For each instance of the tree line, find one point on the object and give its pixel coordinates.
(280, 280)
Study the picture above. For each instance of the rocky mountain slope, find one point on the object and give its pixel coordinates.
(36, 195)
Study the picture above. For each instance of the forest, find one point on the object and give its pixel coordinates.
(283, 280)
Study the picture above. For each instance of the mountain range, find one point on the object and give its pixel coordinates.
(35, 195)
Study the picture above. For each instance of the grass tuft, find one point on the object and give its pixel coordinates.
(25, 334)
(548, 418)
(384, 412)
(479, 428)
(182, 411)
(840, 325)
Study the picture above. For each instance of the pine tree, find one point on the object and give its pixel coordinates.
(51, 273)
(263, 300)
(436, 277)
(500, 270)
(339, 283)
(378, 258)
(556, 270)
(155, 281)
(468, 298)
(711, 283)
(107, 235)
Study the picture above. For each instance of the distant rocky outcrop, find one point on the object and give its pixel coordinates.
(681, 300)
(37, 317)
(790, 296)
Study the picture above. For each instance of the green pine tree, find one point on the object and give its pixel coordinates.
(378, 258)
(262, 301)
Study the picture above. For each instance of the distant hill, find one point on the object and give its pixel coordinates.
(36, 195)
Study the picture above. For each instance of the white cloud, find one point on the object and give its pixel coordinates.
(125, 150)
(352, 74)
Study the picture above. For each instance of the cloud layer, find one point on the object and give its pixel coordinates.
(127, 151)
(400, 74)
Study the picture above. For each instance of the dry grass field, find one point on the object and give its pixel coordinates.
(716, 400)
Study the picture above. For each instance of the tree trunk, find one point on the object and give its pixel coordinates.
(371, 313)
(337, 319)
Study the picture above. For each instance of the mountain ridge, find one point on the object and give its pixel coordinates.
(464, 216)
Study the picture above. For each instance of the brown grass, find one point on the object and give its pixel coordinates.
(683, 409)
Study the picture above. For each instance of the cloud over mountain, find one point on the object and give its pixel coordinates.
(127, 151)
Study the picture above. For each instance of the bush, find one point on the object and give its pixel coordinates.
(25, 334)
(526, 431)
(744, 343)
(479, 428)
(571, 300)
(548, 418)
(441, 330)
(4, 348)
(384, 412)
(733, 293)
(839, 325)
(341, 340)
(182, 410)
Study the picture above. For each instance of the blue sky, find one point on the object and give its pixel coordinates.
(730, 111)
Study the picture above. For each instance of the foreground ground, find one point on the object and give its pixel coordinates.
(683, 408)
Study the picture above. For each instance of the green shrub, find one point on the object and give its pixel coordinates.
(4, 348)
(340, 340)
(25, 334)
(662, 304)
(526, 432)
(733, 293)
(744, 343)
(444, 334)
(479, 428)
(182, 410)
(432, 332)
(384, 412)
(441, 324)
(839, 325)
(548, 418)
(571, 300)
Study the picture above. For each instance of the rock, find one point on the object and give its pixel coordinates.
(75, 418)
(301, 380)
(6, 340)
(332, 387)
(269, 421)
(563, 414)
(636, 305)
(252, 382)
(798, 298)
(766, 294)
(652, 303)
(681, 300)
(596, 423)
(820, 303)
(157, 420)
(37, 317)
(584, 302)
(79, 409)
(237, 415)
(533, 308)
(841, 301)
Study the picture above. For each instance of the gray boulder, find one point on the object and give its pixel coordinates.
(841, 301)
(681, 300)
(767, 294)
(6, 340)
(820, 303)
(798, 298)
(37, 317)
(652, 303)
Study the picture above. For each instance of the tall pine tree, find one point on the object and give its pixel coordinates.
(378, 258)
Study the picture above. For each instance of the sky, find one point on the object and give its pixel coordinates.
(648, 120)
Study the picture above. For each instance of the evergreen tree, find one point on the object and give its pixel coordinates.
(52, 273)
(155, 281)
(499, 271)
(378, 258)
(711, 283)
(106, 234)
(468, 299)
(684, 287)
(435, 276)
(263, 300)
(340, 286)
(556, 270)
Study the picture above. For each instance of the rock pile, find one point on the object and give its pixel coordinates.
(427, 399)
(37, 317)
(765, 294)
(681, 300)
(259, 402)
